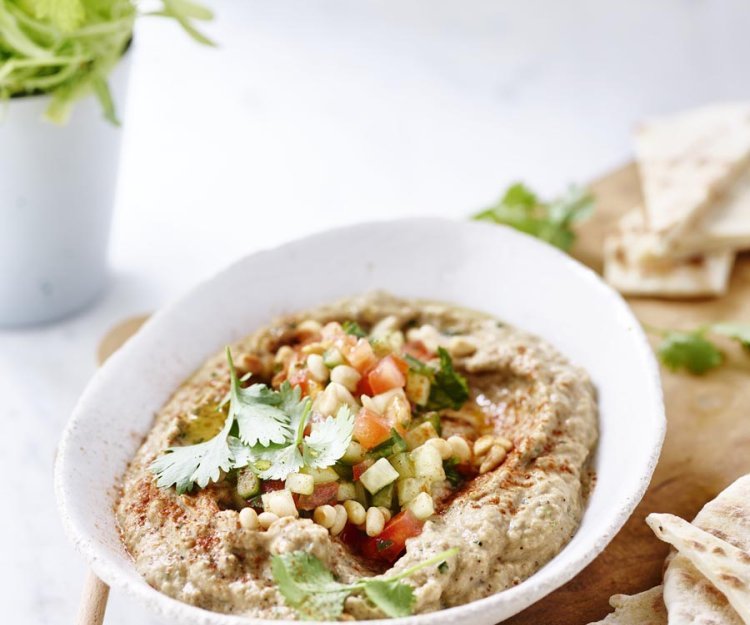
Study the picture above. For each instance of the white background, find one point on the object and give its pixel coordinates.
(317, 113)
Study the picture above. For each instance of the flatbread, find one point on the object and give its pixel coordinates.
(690, 598)
(724, 565)
(726, 226)
(631, 267)
(645, 608)
(686, 160)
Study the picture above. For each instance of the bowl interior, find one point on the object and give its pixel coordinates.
(489, 268)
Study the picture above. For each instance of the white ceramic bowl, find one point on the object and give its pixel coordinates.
(486, 267)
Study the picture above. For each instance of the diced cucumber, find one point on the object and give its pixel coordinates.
(347, 490)
(384, 497)
(248, 484)
(280, 502)
(434, 418)
(332, 357)
(419, 434)
(408, 488)
(428, 463)
(422, 506)
(300, 483)
(322, 476)
(418, 388)
(344, 471)
(394, 445)
(379, 475)
(403, 464)
(353, 454)
(361, 492)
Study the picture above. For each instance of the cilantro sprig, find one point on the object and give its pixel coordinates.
(552, 221)
(311, 589)
(264, 430)
(693, 350)
(353, 328)
(448, 388)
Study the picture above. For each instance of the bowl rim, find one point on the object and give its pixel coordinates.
(107, 569)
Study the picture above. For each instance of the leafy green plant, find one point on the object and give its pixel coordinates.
(693, 350)
(521, 208)
(67, 48)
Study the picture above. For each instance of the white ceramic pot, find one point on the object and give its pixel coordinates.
(57, 190)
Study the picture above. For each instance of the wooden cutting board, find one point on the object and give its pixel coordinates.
(708, 438)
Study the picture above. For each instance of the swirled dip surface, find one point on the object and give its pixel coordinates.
(507, 523)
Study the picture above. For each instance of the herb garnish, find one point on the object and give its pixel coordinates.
(270, 439)
(448, 388)
(353, 328)
(310, 588)
(553, 221)
(693, 351)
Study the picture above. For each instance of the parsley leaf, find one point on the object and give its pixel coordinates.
(198, 464)
(739, 332)
(689, 350)
(257, 412)
(353, 328)
(312, 591)
(520, 208)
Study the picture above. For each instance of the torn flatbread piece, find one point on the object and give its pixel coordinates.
(724, 565)
(630, 269)
(645, 608)
(686, 160)
(691, 598)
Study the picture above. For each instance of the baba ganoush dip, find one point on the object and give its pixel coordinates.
(429, 427)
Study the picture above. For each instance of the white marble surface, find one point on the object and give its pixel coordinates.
(312, 114)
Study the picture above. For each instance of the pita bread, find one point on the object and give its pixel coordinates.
(688, 595)
(723, 564)
(726, 226)
(632, 268)
(645, 608)
(685, 160)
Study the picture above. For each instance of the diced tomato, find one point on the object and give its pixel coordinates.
(353, 537)
(402, 365)
(359, 468)
(323, 494)
(267, 486)
(370, 428)
(416, 349)
(386, 375)
(363, 387)
(391, 542)
(360, 355)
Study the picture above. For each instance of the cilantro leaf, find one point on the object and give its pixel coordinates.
(257, 412)
(393, 598)
(308, 587)
(329, 439)
(739, 332)
(520, 208)
(198, 464)
(353, 328)
(689, 350)
(312, 591)
(450, 389)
